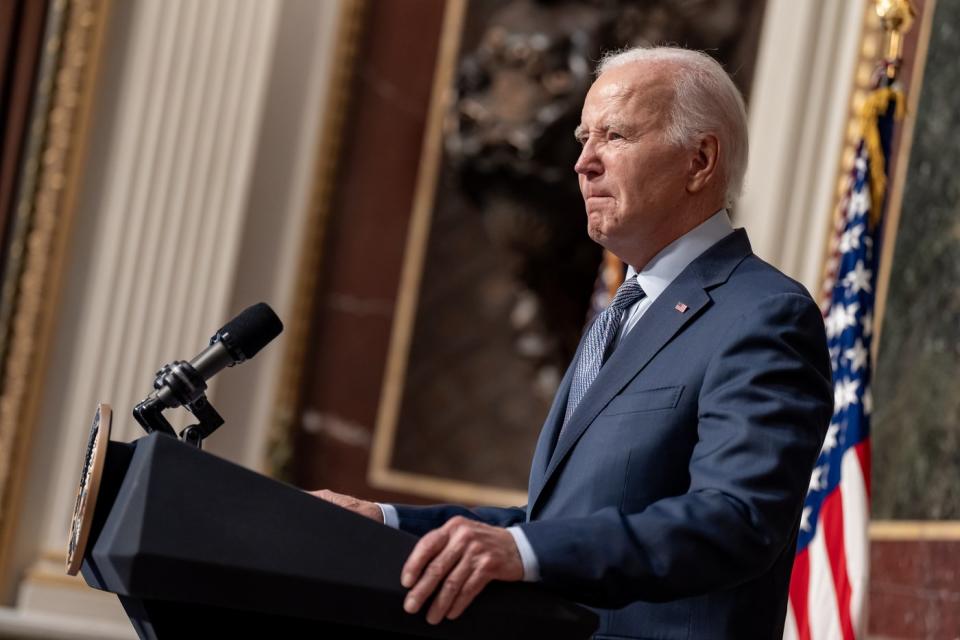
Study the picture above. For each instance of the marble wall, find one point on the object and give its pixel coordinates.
(917, 405)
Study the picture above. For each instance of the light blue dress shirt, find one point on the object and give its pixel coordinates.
(654, 278)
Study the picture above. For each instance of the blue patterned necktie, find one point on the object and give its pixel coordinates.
(597, 342)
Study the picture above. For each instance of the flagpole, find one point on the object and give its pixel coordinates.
(896, 17)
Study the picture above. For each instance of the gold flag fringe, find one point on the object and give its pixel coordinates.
(876, 104)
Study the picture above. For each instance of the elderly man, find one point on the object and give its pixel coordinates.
(668, 480)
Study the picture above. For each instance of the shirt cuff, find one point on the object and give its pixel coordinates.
(531, 566)
(390, 516)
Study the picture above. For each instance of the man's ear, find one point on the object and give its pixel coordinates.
(704, 164)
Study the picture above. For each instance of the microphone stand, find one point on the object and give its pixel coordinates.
(179, 384)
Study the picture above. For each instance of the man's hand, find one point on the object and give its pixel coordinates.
(464, 555)
(363, 507)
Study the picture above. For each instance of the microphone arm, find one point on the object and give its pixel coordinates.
(182, 383)
(179, 384)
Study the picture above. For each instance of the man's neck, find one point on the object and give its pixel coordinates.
(640, 256)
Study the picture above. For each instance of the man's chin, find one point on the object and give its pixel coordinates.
(595, 231)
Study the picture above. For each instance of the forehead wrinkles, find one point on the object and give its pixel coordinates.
(616, 91)
(609, 98)
(644, 100)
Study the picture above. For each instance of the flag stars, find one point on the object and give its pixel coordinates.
(857, 356)
(841, 317)
(818, 479)
(858, 279)
(859, 204)
(805, 519)
(851, 238)
(845, 393)
(833, 321)
(860, 164)
(830, 441)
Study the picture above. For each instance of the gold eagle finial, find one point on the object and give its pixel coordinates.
(897, 17)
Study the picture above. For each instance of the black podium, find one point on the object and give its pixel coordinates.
(196, 546)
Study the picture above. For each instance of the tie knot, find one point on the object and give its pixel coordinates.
(628, 293)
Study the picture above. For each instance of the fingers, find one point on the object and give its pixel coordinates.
(449, 591)
(428, 564)
(429, 546)
(363, 507)
(470, 590)
(460, 558)
(338, 499)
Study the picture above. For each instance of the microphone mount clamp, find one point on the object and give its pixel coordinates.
(179, 384)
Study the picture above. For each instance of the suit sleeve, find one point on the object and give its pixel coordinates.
(763, 410)
(420, 520)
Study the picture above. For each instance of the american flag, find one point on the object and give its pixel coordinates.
(828, 588)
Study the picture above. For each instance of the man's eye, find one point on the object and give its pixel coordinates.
(613, 135)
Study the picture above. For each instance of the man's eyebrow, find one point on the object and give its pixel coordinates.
(616, 123)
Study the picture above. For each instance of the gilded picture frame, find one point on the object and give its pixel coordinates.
(50, 175)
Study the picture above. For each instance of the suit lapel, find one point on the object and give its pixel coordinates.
(658, 326)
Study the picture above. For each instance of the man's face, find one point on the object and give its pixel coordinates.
(631, 178)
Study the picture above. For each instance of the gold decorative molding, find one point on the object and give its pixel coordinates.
(887, 530)
(444, 489)
(46, 201)
(49, 576)
(47, 569)
(329, 143)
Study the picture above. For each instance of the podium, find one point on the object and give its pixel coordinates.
(196, 546)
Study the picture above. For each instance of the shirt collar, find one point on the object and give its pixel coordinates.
(674, 258)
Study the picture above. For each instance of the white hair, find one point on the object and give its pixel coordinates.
(705, 100)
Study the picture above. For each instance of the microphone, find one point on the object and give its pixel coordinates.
(183, 383)
(238, 340)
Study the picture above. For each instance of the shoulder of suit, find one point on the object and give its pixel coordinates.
(764, 278)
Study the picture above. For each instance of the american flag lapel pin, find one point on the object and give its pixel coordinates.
(681, 307)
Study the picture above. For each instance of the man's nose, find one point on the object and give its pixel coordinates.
(588, 164)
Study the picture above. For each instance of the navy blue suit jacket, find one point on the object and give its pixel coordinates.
(672, 501)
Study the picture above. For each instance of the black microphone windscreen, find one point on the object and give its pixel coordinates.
(252, 329)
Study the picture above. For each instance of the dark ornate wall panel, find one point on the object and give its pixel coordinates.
(358, 285)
